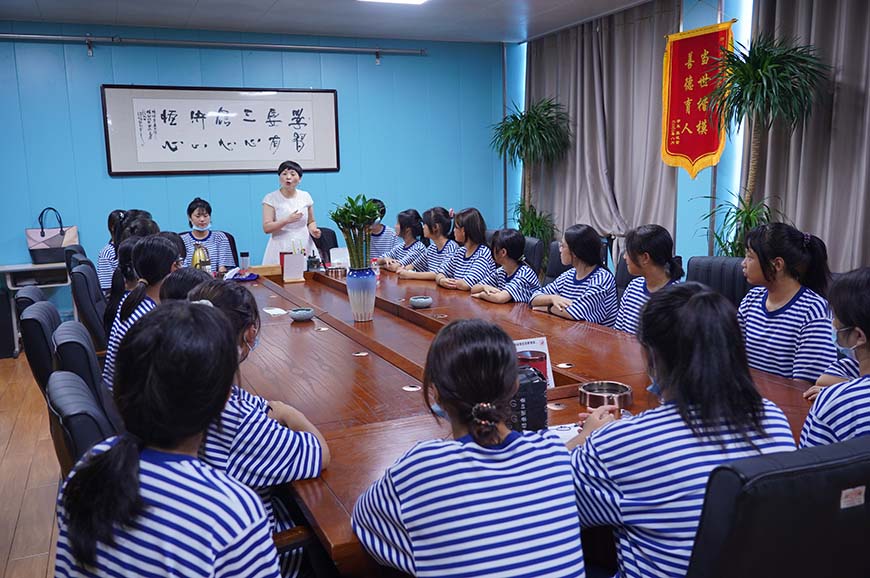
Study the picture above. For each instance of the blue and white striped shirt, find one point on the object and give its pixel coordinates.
(520, 285)
(634, 298)
(793, 341)
(840, 412)
(594, 296)
(406, 255)
(117, 333)
(646, 475)
(383, 242)
(107, 262)
(197, 522)
(469, 269)
(454, 508)
(220, 253)
(431, 260)
(844, 367)
(261, 453)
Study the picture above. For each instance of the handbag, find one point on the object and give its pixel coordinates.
(46, 244)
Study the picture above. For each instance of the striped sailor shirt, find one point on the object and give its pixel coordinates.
(844, 367)
(594, 296)
(840, 412)
(634, 298)
(520, 285)
(794, 341)
(107, 262)
(406, 255)
(432, 259)
(197, 522)
(454, 508)
(383, 242)
(117, 333)
(469, 269)
(220, 253)
(646, 475)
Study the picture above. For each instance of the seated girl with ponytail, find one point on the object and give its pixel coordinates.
(473, 261)
(490, 501)
(260, 443)
(124, 280)
(514, 280)
(154, 258)
(142, 503)
(649, 254)
(107, 260)
(785, 320)
(409, 227)
(437, 225)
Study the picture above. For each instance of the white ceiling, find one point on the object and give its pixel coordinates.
(452, 20)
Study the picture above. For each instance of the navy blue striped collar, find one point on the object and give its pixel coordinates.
(384, 230)
(462, 248)
(441, 250)
(157, 456)
(646, 289)
(195, 240)
(586, 278)
(785, 307)
(511, 437)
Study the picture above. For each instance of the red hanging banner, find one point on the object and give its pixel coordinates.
(690, 137)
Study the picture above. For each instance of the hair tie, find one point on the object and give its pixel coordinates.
(479, 407)
(205, 302)
(807, 238)
(143, 281)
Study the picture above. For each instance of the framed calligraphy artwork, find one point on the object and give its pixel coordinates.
(171, 129)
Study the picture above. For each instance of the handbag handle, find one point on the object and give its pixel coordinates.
(41, 220)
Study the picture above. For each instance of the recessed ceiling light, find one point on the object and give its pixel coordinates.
(396, 1)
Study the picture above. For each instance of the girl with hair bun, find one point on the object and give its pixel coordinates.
(649, 254)
(142, 503)
(409, 228)
(487, 503)
(437, 228)
(785, 319)
(514, 280)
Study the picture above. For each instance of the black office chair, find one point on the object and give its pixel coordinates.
(74, 352)
(38, 323)
(534, 253)
(76, 420)
(79, 259)
(796, 514)
(68, 252)
(327, 242)
(724, 274)
(554, 263)
(27, 296)
(235, 251)
(90, 303)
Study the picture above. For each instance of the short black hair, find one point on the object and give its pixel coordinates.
(438, 217)
(850, 299)
(655, 241)
(584, 242)
(382, 208)
(196, 204)
(292, 165)
(180, 282)
(471, 222)
(410, 219)
(511, 240)
(179, 242)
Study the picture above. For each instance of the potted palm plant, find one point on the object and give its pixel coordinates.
(354, 219)
(774, 80)
(540, 134)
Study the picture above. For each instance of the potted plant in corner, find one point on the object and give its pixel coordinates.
(354, 219)
(773, 80)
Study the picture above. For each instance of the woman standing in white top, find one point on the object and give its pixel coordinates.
(288, 215)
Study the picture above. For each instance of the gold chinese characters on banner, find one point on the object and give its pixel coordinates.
(690, 135)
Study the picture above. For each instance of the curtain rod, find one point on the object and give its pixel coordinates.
(91, 40)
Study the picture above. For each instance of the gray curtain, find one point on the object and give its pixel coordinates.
(608, 75)
(819, 176)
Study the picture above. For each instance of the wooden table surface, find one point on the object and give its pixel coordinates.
(370, 420)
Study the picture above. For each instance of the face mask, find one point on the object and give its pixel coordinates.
(253, 346)
(202, 229)
(377, 221)
(655, 389)
(439, 411)
(847, 352)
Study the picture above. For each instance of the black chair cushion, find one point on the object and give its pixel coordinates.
(795, 514)
(68, 253)
(90, 303)
(623, 277)
(724, 274)
(27, 296)
(326, 243)
(534, 253)
(82, 421)
(38, 323)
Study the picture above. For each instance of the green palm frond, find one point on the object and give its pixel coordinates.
(354, 219)
(541, 133)
(737, 220)
(774, 79)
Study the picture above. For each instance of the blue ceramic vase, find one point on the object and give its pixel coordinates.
(361, 286)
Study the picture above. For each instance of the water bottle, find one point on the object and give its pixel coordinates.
(376, 268)
(244, 262)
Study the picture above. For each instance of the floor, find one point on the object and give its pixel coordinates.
(29, 476)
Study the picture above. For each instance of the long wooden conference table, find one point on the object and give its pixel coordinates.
(350, 379)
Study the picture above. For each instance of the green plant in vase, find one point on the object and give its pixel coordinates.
(354, 218)
(737, 220)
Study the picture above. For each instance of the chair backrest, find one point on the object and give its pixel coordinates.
(90, 303)
(38, 323)
(232, 241)
(74, 352)
(534, 253)
(554, 263)
(76, 420)
(27, 296)
(623, 277)
(326, 243)
(79, 259)
(724, 274)
(796, 514)
(68, 252)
